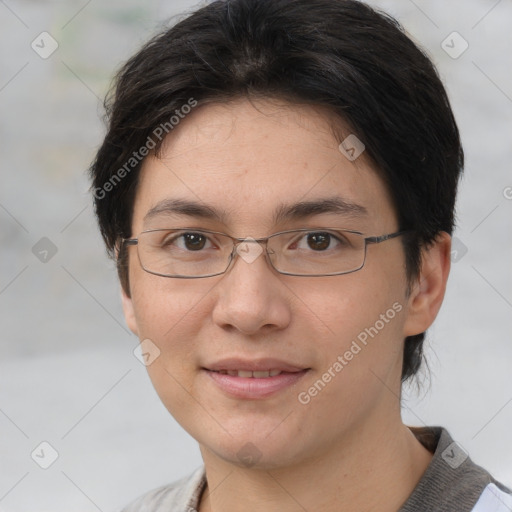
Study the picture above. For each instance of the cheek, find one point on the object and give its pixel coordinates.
(163, 306)
(342, 306)
(359, 344)
(168, 314)
(359, 319)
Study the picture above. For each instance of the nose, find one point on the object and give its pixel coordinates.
(251, 296)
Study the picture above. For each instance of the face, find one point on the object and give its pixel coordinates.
(345, 333)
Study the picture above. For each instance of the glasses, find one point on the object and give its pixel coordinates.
(309, 252)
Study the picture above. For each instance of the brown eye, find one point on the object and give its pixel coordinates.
(186, 241)
(194, 241)
(319, 241)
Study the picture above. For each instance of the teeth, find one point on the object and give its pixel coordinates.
(247, 374)
(259, 375)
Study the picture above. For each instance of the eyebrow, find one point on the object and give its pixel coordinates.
(283, 212)
(305, 209)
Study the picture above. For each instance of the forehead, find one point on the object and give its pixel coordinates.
(249, 161)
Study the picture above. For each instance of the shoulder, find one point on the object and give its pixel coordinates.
(453, 481)
(182, 494)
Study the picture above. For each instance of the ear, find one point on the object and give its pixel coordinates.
(428, 291)
(129, 313)
(126, 300)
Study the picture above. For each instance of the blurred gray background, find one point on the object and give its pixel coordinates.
(68, 375)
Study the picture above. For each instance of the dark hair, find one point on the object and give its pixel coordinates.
(339, 54)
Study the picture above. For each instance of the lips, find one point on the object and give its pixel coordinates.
(257, 368)
(248, 374)
(254, 379)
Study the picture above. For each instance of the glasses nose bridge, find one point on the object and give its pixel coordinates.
(262, 242)
(247, 254)
(237, 242)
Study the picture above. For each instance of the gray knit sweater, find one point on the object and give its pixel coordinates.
(451, 483)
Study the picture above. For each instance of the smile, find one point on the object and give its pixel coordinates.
(249, 374)
(253, 385)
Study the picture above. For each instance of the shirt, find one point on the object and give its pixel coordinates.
(451, 483)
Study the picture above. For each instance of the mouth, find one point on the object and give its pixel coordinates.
(264, 374)
(253, 380)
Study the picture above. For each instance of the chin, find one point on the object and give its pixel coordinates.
(255, 452)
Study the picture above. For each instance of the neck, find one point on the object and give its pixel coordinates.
(373, 468)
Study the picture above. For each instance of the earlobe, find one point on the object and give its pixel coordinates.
(129, 312)
(427, 293)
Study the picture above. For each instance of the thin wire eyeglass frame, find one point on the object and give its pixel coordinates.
(263, 241)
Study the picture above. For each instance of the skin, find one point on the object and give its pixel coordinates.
(245, 158)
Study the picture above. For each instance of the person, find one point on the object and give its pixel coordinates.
(277, 185)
